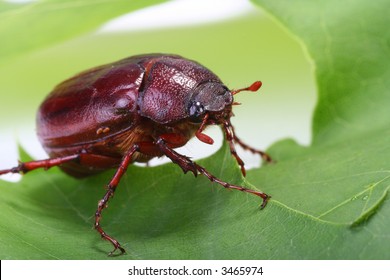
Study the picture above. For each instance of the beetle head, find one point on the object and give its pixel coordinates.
(212, 104)
(208, 98)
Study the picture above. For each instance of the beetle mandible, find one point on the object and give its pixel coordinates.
(133, 110)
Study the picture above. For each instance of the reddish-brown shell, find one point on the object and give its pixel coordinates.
(107, 96)
(96, 98)
(169, 86)
(106, 109)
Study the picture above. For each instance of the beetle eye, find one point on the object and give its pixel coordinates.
(196, 111)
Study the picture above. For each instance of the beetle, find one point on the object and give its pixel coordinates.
(133, 110)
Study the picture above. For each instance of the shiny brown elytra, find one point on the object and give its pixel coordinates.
(133, 110)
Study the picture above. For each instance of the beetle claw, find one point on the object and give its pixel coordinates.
(122, 251)
(265, 201)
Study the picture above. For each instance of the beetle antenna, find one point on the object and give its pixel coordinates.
(253, 87)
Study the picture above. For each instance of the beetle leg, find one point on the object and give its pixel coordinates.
(174, 140)
(25, 167)
(230, 137)
(187, 165)
(111, 187)
(237, 140)
(263, 155)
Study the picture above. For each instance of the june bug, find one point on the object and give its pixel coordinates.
(133, 110)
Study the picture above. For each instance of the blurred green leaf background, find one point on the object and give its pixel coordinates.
(329, 200)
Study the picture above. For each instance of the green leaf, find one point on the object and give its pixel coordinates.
(349, 43)
(160, 213)
(344, 177)
(343, 183)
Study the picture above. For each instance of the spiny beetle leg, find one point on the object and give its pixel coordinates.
(111, 187)
(187, 165)
(237, 140)
(172, 140)
(263, 155)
